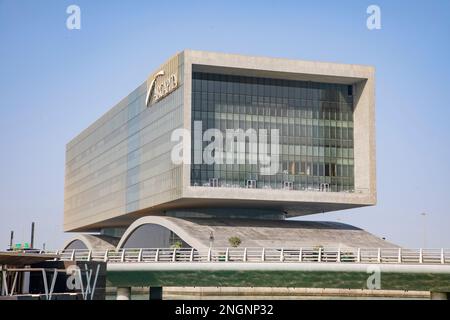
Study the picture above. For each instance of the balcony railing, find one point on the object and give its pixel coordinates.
(293, 187)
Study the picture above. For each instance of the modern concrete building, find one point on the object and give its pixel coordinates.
(123, 166)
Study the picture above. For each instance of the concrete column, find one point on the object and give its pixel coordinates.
(155, 293)
(26, 282)
(439, 295)
(123, 293)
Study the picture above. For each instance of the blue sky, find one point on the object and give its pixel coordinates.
(54, 82)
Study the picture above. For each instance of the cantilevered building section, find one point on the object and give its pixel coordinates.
(121, 167)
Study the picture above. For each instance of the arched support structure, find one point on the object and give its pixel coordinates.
(201, 233)
(92, 242)
(166, 222)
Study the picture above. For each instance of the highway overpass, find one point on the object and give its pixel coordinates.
(362, 268)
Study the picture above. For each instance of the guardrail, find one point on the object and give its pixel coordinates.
(359, 255)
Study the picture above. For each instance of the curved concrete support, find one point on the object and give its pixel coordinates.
(94, 241)
(167, 222)
(261, 233)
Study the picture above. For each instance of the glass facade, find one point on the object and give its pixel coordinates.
(315, 123)
(122, 162)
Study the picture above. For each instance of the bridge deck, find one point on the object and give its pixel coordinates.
(395, 269)
(318, 254)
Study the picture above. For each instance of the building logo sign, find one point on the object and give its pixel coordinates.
(161, 86)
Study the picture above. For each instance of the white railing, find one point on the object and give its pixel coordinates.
(285, 255)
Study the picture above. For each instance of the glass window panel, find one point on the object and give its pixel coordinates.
(314, 119)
